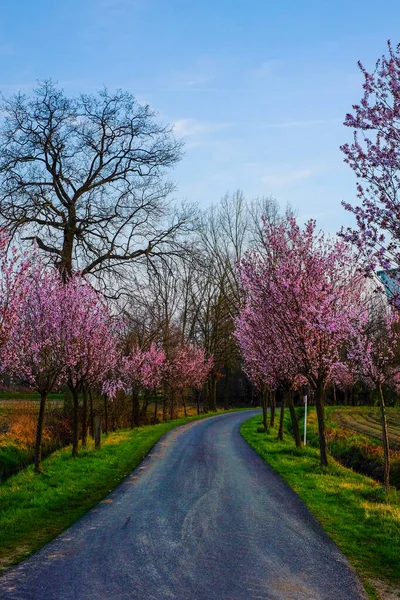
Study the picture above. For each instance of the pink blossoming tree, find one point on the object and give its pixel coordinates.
(36, 350)
(187, 368)
(91, 343)
(374, 156)
(142, 370)
(13, 288)
(304, 296)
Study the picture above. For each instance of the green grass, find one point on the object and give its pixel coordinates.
(353, 509)
(36, 508)
(13, 458)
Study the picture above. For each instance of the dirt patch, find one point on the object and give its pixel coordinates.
(385, 591)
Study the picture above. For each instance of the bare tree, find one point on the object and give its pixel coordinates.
(264, 209)
(195, 295)
(84, 178)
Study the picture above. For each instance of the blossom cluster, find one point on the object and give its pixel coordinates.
(55, 333)
(303, 301)
(374, 156)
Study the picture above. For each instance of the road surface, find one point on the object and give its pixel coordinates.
(202, 518)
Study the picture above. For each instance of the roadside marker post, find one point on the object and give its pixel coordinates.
(305, 418)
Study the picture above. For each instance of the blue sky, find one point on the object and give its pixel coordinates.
(257, 89)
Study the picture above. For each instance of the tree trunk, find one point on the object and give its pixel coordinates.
(385, 440)
(198, 392)
(319, 402)
(84, 419)
(105, 414)
(206, 404)
(166, 390)
(97, 432)
(39, 433)
(184, 407)
(273, 407)
(293, 417)
(164, 407)
(172, 405)
(281, 419)
(91, 418)
(264, 404)
(75, 422)
(226, 390)
(334, 395)
(135, 418)
(212, 394)
(65, 265)
(144, 407)
(155, 408)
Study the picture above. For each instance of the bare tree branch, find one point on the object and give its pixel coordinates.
(85, 178)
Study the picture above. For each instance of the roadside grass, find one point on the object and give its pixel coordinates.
(36, 508)
(13, 457)
(352, 508)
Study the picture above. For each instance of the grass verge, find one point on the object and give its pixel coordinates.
(353, 509)
(36, 508)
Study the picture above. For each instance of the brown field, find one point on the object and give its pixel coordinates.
(366, 420)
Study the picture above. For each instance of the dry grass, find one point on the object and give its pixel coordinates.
(367, 422)
(18, 422)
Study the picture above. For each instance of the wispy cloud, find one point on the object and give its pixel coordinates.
(193, 127)
(266, 68)
(295, 124)
(279, 180)
(201, 72)
(192, 79)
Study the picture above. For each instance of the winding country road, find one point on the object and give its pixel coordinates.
(202, 518)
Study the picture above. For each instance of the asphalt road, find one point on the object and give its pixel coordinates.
(202, 518)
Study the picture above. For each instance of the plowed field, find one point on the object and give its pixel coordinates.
(366, 420)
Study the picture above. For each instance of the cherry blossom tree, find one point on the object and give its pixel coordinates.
(13, 288)
(187, 367)
(54, 332)
(304, 294)
(267, 362)
(36, 351)
(142, 369)
(344, 376)
(257, 366)
(374, 156)
(90, 340)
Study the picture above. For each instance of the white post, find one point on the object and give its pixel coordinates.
(305, 419)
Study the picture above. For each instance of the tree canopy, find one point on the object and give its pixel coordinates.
(85, 178)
